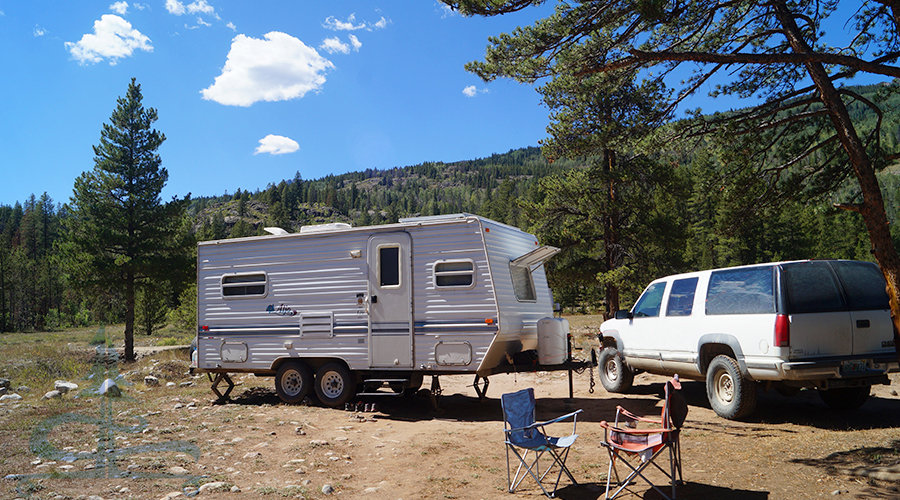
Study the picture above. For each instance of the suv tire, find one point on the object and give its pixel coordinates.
(615, 375)
(730, 394)
(845, 398)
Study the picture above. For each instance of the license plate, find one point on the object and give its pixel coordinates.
(855, 366)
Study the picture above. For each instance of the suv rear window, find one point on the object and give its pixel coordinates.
(863, 284)
(741, 291)
(811, 288)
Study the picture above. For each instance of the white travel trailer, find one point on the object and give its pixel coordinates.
(348, 310)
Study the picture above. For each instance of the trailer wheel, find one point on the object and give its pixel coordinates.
(293, 381)
(334, 385)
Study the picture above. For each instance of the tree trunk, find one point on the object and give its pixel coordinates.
(611, 232)
(129, 317)
(872, 207)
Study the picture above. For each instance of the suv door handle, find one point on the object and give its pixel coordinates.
(862, 323)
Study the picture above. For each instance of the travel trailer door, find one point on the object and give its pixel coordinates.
(390, 301)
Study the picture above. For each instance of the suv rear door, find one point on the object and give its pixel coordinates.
(819, 316)
(870, 315)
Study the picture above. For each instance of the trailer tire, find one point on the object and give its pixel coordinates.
(334, 385)
(293, 381)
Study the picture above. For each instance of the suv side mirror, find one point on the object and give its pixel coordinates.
(624, 314)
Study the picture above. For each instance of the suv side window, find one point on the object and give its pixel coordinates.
(864, 285)
(811, 288)
(681, 298)
(741, 291)
(651, 300)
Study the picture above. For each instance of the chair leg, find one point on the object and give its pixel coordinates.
(635, 473)
(523, 463)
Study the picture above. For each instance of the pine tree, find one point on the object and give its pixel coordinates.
(119, 231)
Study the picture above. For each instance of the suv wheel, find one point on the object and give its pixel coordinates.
(730, 394)
(615, 375)
(845, 398)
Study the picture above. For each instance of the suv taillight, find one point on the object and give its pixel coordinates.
(782, 331)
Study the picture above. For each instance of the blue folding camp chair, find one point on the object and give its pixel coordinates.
(625, 440)
(524, 436)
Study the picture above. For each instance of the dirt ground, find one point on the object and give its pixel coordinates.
(166, 440)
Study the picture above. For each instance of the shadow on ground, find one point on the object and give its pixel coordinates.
(687, 491)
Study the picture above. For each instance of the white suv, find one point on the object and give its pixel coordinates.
(821, 324)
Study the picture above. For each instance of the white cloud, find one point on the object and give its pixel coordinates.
(332, 45)
(276, 145)
(175, 7)
(202, 22)
(113, 38)
(336, 25)
(445, 10)
(202, 7)
(140, 6)
(120, 8)
(278, 68)
(232, 26)
(38, 31)
(355, 42)
(196, 7)
(333, 24)
(470, 91)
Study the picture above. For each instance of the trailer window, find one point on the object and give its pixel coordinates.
(454, 274)
(389, 266)
(242, 285)
(522, 284)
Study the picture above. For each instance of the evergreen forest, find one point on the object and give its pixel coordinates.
(676, 211)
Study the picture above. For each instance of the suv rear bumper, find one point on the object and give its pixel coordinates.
(834, 368)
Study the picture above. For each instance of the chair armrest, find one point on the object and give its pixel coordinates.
(632, 416)
(557, 419)
(629, 430)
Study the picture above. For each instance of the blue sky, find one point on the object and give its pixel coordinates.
(251, 92)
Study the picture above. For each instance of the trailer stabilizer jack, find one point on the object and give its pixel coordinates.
(215, 385)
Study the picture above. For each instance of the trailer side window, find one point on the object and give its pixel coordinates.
(522, 284)
(454, 274)
(242, 285)
(389, 266)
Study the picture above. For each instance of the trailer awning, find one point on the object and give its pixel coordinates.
(535, 257)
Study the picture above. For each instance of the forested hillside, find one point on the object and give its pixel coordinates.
(682, 212)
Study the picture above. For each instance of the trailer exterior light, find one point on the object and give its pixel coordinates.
(204, 328)
(489, 321)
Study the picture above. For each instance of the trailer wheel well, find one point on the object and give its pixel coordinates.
(313, 363)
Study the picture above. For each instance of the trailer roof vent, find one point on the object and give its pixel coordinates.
(324, 228)
(276, 231)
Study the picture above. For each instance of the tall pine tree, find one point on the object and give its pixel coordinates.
(119, 231)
